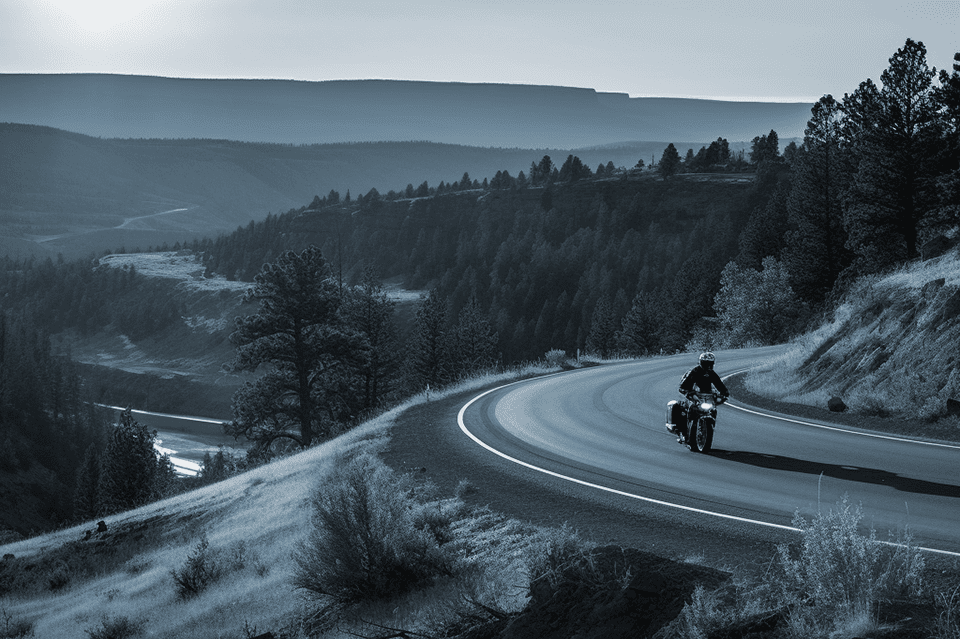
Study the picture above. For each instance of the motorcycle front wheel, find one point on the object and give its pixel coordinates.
(701, 435)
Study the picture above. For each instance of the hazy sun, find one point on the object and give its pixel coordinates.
(100, 15)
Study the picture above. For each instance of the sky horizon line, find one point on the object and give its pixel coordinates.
(734, 98)
(727, 50)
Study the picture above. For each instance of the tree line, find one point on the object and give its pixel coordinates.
(45, 426)
(536, 259)
(59, 295)
(874, 180)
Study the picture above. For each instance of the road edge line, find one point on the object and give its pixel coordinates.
(650, 500)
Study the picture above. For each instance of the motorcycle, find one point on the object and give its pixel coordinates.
(702, 420)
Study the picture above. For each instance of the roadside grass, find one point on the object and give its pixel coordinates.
(948, 621)
(835, 584)
(128, 571)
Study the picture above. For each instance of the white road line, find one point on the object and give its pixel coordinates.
(894, 438)
(838, 429)
(756, 522)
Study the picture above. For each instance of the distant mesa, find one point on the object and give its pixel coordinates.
(296, 112)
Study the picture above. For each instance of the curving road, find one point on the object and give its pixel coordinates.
(603, 427)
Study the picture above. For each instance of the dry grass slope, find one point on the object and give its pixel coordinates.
(891, 348)
(234, 544)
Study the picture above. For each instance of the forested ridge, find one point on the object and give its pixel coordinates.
(537, 258)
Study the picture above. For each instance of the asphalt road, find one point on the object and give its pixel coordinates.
(602, 429)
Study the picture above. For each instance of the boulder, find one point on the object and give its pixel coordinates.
(953, 407)
(836, 405)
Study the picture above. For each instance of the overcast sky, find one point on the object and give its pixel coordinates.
(776, 50)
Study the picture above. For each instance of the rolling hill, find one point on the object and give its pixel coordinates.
(69, 193)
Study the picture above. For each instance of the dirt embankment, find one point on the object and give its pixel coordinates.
(890, 349)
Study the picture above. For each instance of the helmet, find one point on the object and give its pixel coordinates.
(707, 359)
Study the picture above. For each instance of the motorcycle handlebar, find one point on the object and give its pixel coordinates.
(717, 397)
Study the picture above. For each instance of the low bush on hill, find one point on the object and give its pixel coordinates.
(13, 627)
(120, 627)
(374, 536)
(834, 585)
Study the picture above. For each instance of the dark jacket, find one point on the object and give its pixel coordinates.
(700, 379)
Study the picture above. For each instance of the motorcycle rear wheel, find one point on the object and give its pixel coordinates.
(701, 436)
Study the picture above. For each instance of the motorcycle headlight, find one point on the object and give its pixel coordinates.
(706, 406)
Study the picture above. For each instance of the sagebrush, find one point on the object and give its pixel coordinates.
(833, 585)
(374, 536)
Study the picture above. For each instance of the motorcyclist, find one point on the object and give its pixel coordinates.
(701, 379)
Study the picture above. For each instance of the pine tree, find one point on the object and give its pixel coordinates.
(814, 251)
(88, 480)
(128, 468)
(637, 335)
(948, 182)
(299, 335)
(669, 162)
(474, 345)
(429, 363)
(369, 311)
(165, 482)
(603, 329)
(765, 149)
(896, 138)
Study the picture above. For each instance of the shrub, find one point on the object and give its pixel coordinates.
(555, 357)
(119, 627)
(206, 565)
(832, 587)
(12, 628)
(560, 552)
(201, 569)
(373, 536)
(730, 610)
(842, 574)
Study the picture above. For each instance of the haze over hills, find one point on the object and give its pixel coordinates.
(297, 112)
(67, 193)
(98, 162)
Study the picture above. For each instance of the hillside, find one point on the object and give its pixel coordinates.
(283, 111)
(890, 348)
(68, 193)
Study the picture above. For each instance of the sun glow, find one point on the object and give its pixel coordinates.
(100, 15)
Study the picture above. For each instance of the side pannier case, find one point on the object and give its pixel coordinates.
(675, 414)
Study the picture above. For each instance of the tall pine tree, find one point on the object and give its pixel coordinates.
(474, 345)
(369, 311)
(128, 468)
(298, 333)
(896, 139)
(814, 252)
(428, 352)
